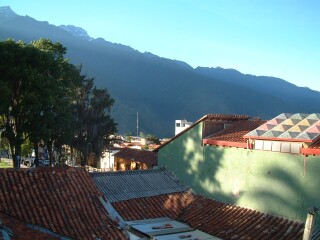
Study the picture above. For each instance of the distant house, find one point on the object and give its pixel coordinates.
(181, 125)
(155, 205)
(134, 159)
(106, 162)
(272, 166)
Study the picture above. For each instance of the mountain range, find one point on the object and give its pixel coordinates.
(162, 90)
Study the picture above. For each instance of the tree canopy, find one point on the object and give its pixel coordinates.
(44, 98)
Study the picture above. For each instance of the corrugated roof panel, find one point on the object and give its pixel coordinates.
(124, 185)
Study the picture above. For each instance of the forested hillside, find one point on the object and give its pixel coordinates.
(163, 90)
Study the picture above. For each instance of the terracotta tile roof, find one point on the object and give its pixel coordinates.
(218, 219)
(21, 230)
(138, 155)
(234, 134)
(63, 200)
(233, 222)
(165, 205)
(229, 117)
(218, 117)
(124, 185)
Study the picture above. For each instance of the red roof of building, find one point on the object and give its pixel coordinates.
(313, 149)
(166, 205)
(216, 117)
(228, 221)
(63, 200)
(21, 229)
(138, 155)
(233, 135)
(218, 219)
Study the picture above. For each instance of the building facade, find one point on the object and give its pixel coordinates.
(228, 166)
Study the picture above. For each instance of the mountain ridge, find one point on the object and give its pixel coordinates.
(163, 90)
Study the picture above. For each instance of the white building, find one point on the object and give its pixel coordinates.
(107, 160)
(181, 125)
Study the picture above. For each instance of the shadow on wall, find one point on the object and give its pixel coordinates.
(270, 182)
(288, 190)
(199, 172)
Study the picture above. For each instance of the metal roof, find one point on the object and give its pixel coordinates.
(125, 185)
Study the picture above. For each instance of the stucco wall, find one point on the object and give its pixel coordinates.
(278, 183)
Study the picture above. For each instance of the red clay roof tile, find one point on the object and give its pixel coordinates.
(22, 231)
(234, 133)
(167, 205)
(63, 200)
(215, 218)
(214, 117)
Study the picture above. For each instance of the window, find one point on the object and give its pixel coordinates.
(285, 147)
(267, 145)
(177, 124)
(258, 145)
(295, 147)
(276, 146)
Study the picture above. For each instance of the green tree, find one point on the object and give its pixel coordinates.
(92, 121)
(47, 100)
(34, 85)
(152, 138)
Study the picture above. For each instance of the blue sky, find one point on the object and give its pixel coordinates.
(279, 38)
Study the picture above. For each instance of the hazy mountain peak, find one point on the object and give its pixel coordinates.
(7, 14)
(76, 31)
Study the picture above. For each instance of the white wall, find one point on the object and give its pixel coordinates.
(181, 125)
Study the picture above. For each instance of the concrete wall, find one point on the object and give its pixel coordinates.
(278, 183)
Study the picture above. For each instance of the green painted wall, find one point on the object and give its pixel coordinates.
(277, 183)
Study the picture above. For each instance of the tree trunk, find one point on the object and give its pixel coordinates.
(13, 155)
(36, 152)
(49, 146)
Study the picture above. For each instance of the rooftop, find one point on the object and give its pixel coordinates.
(291, 127)
(208, 117)
(233, 135)
(124, 185)
(137, 155)
(218, 219)
(63, 200)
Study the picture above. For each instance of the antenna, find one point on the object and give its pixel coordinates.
(137, 123)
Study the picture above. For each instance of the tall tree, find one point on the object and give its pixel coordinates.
(92, 120)
(34, 84)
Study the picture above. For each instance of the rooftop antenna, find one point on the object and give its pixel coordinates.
(137, 123)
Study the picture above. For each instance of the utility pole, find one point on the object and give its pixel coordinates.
(137, 124)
